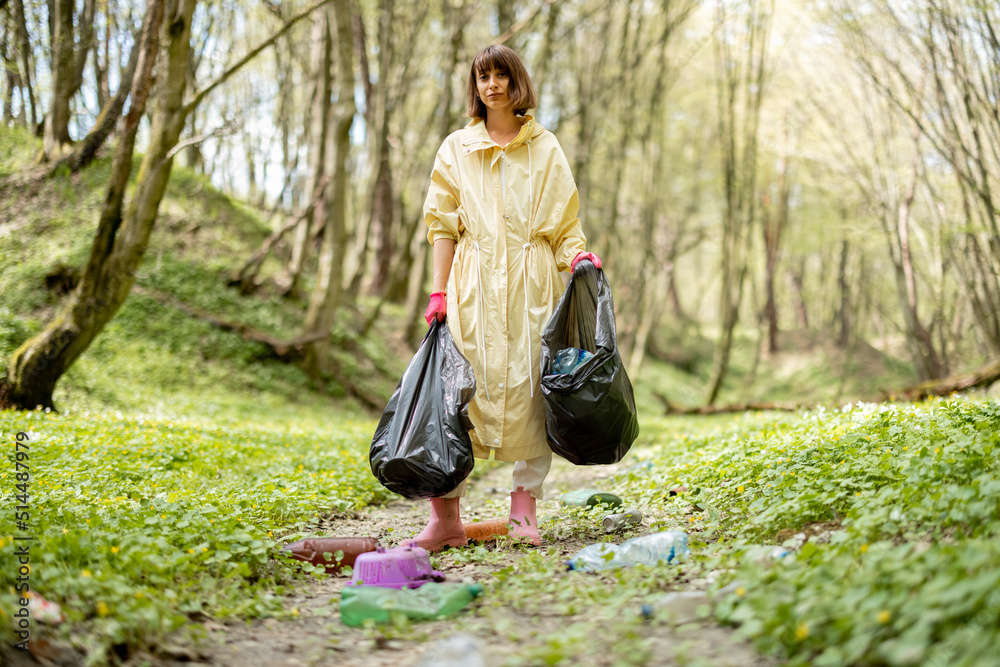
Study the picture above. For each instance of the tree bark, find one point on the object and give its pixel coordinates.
(738, 80)
(844, 312)
(327, 292)
(774, 227)
(85, 151)
(924, 356)
(24, 49)
(12, 82)
(56, 137)
(319, 122)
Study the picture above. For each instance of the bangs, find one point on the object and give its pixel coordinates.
(493, 58)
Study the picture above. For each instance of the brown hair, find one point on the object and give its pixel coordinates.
(519, 88)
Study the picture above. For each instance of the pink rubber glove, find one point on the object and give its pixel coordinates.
(437, 307)
(585, 255)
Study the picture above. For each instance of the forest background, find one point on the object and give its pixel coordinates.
(791, 175)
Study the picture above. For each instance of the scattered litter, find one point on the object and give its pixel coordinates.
(461, 650)
(484, 531)
(45, 611)
(645, 550)
(590, 498)
(622, 520)
(360, 603)
(406, 566)
(332, 553)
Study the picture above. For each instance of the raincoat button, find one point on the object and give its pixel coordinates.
(496, 441)
(501, 385)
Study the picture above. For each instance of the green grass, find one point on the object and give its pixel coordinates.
(902, 504)
(139, 522)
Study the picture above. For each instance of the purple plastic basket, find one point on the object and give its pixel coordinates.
(406, 566)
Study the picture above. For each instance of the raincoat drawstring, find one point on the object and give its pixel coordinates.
(482, 316)
(531, 189)
(527, 330)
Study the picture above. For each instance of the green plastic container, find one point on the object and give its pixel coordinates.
(590, 498)
(432, 600)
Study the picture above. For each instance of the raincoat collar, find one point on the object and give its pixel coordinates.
(479, 139)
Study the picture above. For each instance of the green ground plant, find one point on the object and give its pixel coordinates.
(900, 506)
(141, 523)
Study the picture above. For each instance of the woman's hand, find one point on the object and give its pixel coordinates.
(437, 307)
(585, 255)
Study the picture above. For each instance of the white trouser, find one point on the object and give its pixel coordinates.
(529, 474)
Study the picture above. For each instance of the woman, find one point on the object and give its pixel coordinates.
(502, 217)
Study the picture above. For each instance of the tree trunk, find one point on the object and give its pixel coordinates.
(382, 213)
(797, 278)
(24, 49)
(918, 338)
(319, 122)
(457, 19)
(85, 151)
(327, 292)
(774, 227)
(56, 137)
(10, 67)
(844, 312)
(741, 59)
(506, 14)
(122, 236)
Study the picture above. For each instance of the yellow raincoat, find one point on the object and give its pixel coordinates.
(513, 212)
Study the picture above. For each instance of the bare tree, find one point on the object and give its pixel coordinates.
(741, 62)
(68, 61)
(327, 291)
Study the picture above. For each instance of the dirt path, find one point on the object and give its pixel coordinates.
(317, 637)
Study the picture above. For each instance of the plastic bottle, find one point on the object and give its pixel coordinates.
(589, 498)
(460, 650)
(613, 522)
(568, 358)
(650, 549)
(594, 557)
(314, 549)
(432, 600)
(646, 550)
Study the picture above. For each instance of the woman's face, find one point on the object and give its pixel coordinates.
(493, 89)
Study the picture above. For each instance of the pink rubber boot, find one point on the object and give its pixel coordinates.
(445, 527)
(523, 524)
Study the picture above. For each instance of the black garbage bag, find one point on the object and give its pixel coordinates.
(590, 416)
(421, 447)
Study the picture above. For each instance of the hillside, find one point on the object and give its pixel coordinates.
(154, 356)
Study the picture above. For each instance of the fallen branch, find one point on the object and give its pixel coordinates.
(244, 278)
(981, 377)
(287, 350)
(374, 402)
(671, 408)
